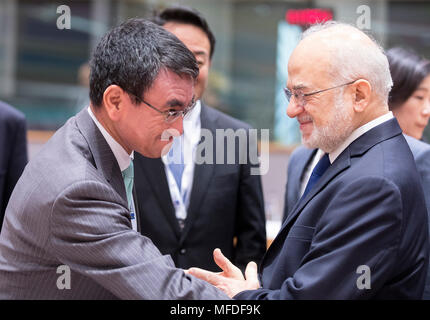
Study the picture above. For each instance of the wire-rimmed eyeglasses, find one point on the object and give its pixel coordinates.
(169, 115)
(300, 97)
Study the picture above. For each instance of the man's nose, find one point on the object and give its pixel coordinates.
(293, 109)
(178, 124)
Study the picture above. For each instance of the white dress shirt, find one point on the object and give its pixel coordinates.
(333, 155)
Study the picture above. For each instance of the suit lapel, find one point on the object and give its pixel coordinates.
(103, 156)
(357, 148)
(154, 172)
(340, 164)
(300, 166)
(202, 175)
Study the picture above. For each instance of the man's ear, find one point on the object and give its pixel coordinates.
(113, 101)
(362, 93)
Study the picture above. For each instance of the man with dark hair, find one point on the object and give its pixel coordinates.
(193, 208)
(13, 152)
(70, 230)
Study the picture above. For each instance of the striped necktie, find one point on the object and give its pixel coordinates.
(128, 176)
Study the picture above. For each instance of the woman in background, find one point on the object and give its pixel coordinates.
(410, 96)
(410, 103)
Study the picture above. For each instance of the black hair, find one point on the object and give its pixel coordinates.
(132, 54)
(407, 69)
(186, 15)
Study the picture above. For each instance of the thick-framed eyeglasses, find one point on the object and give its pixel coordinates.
(300, 97)
(169, 115)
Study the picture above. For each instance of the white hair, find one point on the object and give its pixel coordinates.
(353, 60)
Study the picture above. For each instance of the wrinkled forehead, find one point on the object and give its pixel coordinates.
(309, 66)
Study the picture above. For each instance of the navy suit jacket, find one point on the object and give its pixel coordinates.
(226, 203)
(367, 209)
(13, 152)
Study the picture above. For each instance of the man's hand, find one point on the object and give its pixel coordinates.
(231, 279)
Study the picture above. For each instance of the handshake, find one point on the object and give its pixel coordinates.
(230, 280)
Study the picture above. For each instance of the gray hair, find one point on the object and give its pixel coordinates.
(355, 59)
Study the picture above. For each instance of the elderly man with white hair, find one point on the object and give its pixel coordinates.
(359, 230)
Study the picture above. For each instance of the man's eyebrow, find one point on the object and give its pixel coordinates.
(300, 87)
(200, 53)
(175, 103)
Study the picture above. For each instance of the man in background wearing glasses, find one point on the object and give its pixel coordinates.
(70, 230)
(359, 230)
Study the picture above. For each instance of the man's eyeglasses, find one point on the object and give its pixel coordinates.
(300, 97)
(169, 115)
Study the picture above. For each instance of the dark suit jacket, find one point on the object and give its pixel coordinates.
(297, 163)
(301, 158)
(367, 209)
(226, 202)
(13, 152)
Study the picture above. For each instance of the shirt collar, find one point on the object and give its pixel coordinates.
(359, 132)
(121, 156)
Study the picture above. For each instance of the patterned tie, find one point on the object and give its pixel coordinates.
(128, 176)
(176, 163)
(317, 173)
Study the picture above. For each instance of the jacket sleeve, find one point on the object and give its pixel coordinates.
(362, 226)
(93, 236)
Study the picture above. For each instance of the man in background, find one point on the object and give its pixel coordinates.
(189, 209)
(13, 152)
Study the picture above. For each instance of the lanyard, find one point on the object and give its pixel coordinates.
(181, 198)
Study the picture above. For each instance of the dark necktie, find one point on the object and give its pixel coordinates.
(317, 173)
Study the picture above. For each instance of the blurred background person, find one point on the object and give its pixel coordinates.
(410, 97)
(13, 152)
(195, 208)
(83, 99)
(410, 102)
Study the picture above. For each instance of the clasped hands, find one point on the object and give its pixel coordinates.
(230, 280)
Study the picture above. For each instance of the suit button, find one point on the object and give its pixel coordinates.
(183, 251)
